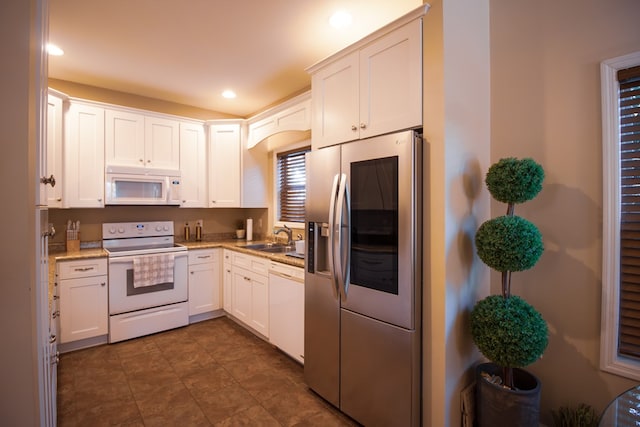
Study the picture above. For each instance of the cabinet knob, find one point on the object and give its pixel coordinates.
(51, 180)
(100, 200)
(103, 284)
(141, 160)
(52, 339)
(354, 128)
(363, 126)
(59, 199)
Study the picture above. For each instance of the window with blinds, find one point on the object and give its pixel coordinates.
(291, 181)
(629, 113)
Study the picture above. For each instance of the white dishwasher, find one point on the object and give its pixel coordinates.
(286, 309)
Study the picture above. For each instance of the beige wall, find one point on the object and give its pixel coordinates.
(93, 93)
(456, 128)
(545, 103)
(18, 358)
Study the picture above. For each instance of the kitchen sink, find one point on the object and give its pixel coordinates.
(278, 248)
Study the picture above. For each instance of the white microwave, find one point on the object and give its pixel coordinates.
(126, 185)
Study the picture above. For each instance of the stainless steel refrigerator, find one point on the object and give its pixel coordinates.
(363, 278)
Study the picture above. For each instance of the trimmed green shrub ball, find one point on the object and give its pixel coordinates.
(514, 181)
(509, 243)
(509, 332)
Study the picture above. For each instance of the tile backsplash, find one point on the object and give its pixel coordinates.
(216, 221)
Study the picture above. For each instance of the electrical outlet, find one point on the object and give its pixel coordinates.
(199, 222)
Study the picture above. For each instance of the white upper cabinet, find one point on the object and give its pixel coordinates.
(335, 102)
(162, 143)
(224, 165)
(193, 166)
(53, 170)
(134, 139)
(83, 180)
(124, 138)
(291, 116)
(371, 89)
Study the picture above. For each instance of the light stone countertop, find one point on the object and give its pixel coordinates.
(233, 244)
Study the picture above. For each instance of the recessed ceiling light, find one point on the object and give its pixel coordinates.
(229, 94)
(54, 50)
(340, 19)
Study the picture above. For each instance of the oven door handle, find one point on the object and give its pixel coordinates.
(127, 259)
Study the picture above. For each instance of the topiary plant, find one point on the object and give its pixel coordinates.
(506, 329)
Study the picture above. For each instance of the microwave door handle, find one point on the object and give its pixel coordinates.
(344, 243)
(331, 237)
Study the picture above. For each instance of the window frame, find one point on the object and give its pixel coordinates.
(610, 360)
(276, 187)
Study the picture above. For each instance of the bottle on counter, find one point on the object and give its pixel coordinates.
(198, 233)
(187, 232)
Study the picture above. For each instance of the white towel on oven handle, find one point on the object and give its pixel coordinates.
(149, 270)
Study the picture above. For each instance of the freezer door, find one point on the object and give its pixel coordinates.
(380, 372)
(384, 179)
(322, 338)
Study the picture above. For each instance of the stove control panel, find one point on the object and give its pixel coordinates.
(122, 230)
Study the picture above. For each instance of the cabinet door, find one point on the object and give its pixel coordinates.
(193, 164)
(54, 150)
(224, 166)
(334, 95)
(162, 143)
(83, 180)
(391, 82)
(124, 138)
(260, 304)
(227, 300)
(241, 288)
(204, 288)
(83, 308)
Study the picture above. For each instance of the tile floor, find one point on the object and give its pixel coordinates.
(212, 373)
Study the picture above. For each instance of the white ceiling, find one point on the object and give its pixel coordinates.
(189, 51)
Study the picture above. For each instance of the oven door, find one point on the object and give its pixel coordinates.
(125, 297)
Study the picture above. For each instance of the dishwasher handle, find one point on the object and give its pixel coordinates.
(287, 272)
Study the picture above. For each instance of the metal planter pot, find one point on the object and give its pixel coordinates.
(499, 406)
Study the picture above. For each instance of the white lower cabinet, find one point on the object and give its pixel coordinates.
(250, 291)
(83, 299)
(227, 300)
(204, 281)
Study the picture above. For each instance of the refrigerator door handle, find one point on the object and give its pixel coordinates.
(344, 243)
(331, 237)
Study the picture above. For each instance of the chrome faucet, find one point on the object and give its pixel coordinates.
(286, 230)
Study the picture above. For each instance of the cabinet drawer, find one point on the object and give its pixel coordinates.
(82, 268)
(203, 256)
(255, 264)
